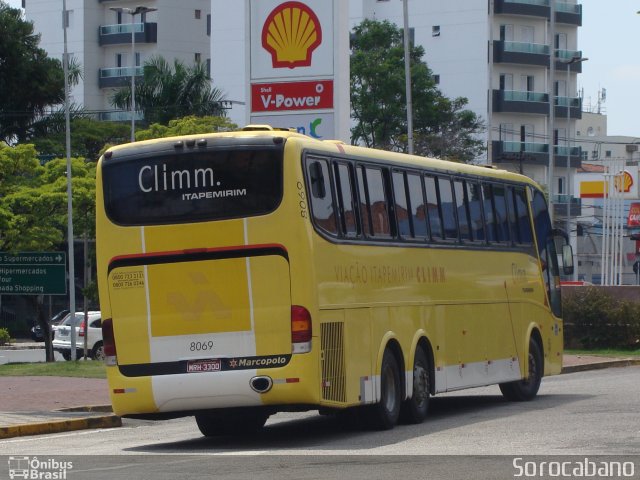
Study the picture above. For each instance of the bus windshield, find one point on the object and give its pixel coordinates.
(193, 187)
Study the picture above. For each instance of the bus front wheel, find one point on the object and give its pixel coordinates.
(527, 388)
(231, 422)
(384, 415)
(415, 409)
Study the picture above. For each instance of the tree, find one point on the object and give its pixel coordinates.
(88, 137)
(187, 126)
(442, 127)
(29, 80)
(33, 206)
(165, 92)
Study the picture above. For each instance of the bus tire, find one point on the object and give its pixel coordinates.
(384, 414)
(231, 423)
(526, 389)
(414, 410)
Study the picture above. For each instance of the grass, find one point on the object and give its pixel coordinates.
(88, 369)
(606, 352)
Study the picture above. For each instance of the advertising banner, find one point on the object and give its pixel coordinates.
(288, 96)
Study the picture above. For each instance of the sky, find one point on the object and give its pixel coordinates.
(609, 38)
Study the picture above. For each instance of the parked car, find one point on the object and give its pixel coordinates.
(36, 330)
(62, 335)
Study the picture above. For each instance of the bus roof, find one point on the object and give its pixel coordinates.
(334, 147)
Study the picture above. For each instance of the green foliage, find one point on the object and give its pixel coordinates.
(190, 125)
(442, 128)
(33, 200)
(166, 92)
(29, 80)
(595, 319)
(4, 336)
(88, 137)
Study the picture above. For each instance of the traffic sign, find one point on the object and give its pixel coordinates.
(33, 273)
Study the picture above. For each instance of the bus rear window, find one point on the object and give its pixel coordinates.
(193, 187)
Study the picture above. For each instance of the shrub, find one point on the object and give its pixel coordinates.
(595, 319)
(4, 336)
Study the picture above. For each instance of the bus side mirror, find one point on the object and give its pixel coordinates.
(318, 189)
(567, 259)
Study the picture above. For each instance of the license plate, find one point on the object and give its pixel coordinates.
(196, 366)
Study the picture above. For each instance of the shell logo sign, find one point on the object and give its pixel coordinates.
(290, 34)
(623, 182)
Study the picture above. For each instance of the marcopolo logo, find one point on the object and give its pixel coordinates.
(290, 34)
(34, 468)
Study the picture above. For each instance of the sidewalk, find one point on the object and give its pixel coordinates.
(39, 405)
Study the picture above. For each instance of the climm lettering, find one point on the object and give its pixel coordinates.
(157, 178)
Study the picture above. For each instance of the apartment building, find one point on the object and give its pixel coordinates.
(99, 38)
(497, 54)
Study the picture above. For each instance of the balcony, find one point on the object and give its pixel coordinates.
(573, 103)
(533, 8)
(575, 67)
(521, 53)
(560, 203)
(560, 156)
(534, 153)
(117, 77)
(510, 101)
(519, 152)
(120, 34)
(569, 13)
(118, 116)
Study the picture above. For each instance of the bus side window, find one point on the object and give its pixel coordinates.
(462, 208)
(433, 208)
(489, 216)
(344, 182)
(378, 205)
(417, 205)
(502, 219)
(448, 208)
(365, 214)
(475, 210)
(402, 207)
(513, 216)
(322, 206)
(524, 221)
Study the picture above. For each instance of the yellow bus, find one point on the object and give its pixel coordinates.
(246, 273)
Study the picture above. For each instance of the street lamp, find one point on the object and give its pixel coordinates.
(568, 63)
(133, 12)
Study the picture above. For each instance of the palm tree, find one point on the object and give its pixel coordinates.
(167, 92)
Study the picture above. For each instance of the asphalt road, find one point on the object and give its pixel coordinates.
(586, 414)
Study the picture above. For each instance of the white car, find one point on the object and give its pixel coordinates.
(62, 336)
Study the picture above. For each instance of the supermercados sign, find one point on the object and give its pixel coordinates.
(299, 65)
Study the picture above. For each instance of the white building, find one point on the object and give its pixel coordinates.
(99, 38)
(496, 53)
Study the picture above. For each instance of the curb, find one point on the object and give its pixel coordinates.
(59, 424)
(628, 362)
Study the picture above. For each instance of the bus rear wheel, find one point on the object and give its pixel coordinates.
(231, 423)
(526, 389)
(415, 409)
(384, 415)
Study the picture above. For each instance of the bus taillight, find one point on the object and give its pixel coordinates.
(109, 342)
(300, 329)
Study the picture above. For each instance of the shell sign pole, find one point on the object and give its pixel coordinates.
(299, 66)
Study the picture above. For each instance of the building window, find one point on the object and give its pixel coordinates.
(607, 153)
(412, 35)
(68, 19)
(197, 57)
(435, 31)
(208, 67)
(436, 79)
(209, 25)
(138, 58)
(198, 14)
(120, 60)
